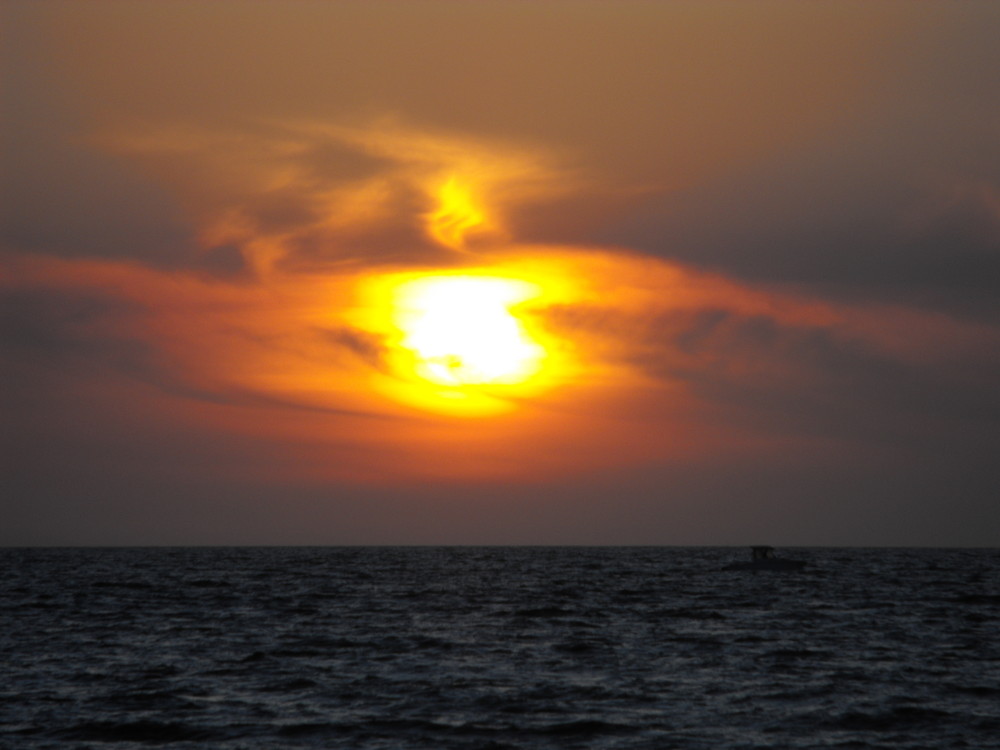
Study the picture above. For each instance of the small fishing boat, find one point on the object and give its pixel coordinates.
(762, 558)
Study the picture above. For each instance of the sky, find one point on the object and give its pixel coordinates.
(666, 273)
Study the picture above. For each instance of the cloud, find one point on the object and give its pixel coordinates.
(896, 204)
(669, 363)
(311, 196)
(777, 369)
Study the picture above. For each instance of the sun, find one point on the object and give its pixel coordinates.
(467, 343)
(462, 330)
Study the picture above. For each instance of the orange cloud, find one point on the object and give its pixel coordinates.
(314, 196)
(646, 347)
(636, 360)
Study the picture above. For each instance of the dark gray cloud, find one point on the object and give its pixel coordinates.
(869, 233)
(368, 347)
(898, 201)
(806, 381)
(54, 337)
(57, 326)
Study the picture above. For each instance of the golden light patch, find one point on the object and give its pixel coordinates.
(457, 213)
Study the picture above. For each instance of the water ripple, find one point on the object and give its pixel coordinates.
(602, 648)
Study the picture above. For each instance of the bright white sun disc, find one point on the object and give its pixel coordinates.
(460, 330)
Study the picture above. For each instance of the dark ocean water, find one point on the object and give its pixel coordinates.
(497, 648)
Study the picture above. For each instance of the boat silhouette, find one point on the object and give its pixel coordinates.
(762, 558)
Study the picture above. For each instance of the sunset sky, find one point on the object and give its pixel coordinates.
(500, 272)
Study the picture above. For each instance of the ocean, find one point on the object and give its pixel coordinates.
(497, 647)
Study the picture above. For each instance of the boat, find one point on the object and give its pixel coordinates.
(762, 558)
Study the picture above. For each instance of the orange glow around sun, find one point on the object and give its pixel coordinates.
(464, 353)
(462, 342)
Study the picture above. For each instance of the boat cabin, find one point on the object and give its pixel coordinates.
(762, 558)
